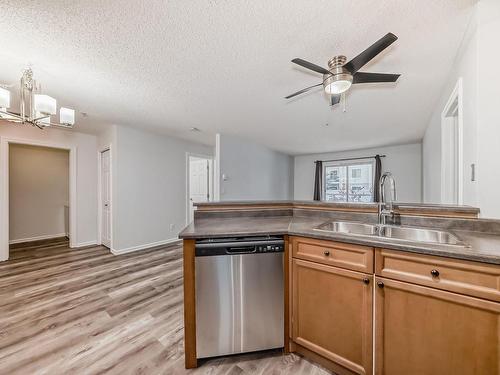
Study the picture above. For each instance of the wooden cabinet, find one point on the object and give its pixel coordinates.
(332, 315)
(433, 315)
(424, 331)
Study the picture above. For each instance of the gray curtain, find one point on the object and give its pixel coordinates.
(318, 180)
(378, 174)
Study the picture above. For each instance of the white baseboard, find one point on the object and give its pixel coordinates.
(82, 244)
(37, 238)
(145, 246)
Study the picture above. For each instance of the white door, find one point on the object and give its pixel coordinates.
(452, 149)
(199, 182)
(105, 199)
(450, 158)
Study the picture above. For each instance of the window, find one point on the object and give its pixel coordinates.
(348, 181)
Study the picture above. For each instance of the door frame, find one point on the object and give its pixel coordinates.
(5, 142)
(109, 148)
(455, 97)
(211, 177)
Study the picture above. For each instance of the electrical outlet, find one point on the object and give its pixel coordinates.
(172, 227)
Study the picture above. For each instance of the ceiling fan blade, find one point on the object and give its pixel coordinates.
(359, 61)
(363, 77)
(335, 99)
(310, 66)
(302, 91)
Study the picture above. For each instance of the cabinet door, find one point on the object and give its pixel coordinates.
(332, 314)
(424, 331)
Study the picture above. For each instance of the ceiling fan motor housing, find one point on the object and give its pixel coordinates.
(337, 61)
(338, 74)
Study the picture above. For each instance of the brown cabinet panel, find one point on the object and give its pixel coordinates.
(332, 314)
(471, 278)
(424, 331)
(338, 254)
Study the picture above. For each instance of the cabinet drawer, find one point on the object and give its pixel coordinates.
(338, 254)
(464, 277)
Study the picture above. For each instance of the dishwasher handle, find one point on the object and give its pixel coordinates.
(241, 250)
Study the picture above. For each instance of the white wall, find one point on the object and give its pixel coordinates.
(107, 138)
(149, 188)
(488, 110)
(38, 192)
(476, 63)
(465, 67)
(253, 171)
(86, 177)
(403, 161)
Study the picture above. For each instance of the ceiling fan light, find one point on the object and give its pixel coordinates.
(337, 84)
(45, 104)
(338, 87)
(4, 98)
(66, 116)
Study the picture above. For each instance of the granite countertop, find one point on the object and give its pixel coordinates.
(483, 247)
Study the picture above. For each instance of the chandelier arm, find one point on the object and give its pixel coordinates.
(40, 118)
(10, 114)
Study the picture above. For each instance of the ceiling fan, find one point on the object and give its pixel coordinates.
(340, 75)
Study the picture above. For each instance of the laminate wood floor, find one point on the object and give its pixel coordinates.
(86, 311)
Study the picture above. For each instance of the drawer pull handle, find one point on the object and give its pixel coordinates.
(380, 284)
(366, 280)
(435, 273)
(327, 253)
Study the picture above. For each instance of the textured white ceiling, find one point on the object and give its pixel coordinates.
(224, 66)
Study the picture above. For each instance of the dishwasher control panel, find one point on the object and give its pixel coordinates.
(239, 246)
(270, 248)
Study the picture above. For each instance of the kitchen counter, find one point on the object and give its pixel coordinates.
(484, 247)
(348, 276)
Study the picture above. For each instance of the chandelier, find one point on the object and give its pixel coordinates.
(35, 108)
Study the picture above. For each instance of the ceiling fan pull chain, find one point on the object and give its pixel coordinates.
(343, 98)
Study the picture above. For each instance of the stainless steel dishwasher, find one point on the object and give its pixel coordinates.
(239, 295)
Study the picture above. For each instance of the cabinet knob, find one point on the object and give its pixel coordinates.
(326, 252)
(380, 284)
(435, 273)
(366, 280)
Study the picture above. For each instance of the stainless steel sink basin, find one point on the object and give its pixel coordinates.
(420, 235)
(392, 232)
(349, 228)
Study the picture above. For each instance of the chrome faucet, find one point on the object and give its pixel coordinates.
(386, 208)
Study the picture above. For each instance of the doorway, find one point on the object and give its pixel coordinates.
(452, 149)
(38, 194)
(105, 198)
(69, 205)
(200, 182)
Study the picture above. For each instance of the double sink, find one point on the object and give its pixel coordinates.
(394, 232)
